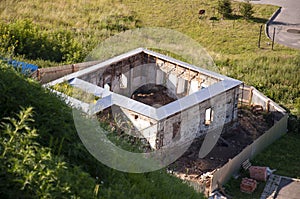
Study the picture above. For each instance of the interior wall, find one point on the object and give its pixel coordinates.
(150, 74)
(136, 124)
(143, 69)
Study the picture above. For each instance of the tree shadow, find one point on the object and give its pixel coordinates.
(234, 17)
(253, 19)
(258, 20)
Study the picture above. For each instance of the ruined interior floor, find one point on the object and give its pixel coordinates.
(152, 95)
(249, 127)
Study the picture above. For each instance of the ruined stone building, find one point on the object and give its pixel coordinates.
(169, 103)
(163, 98)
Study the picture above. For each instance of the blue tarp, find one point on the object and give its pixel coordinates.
(25, 68)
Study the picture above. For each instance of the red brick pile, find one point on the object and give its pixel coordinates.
(248, 185)
(258, 173)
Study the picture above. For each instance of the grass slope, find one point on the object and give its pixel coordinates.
(56, 131)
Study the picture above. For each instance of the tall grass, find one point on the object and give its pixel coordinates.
(55, 143)
(89, 22)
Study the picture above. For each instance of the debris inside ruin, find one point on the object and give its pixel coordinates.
(153, 95)
(250, 126)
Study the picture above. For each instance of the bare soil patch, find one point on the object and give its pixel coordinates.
(248, 128)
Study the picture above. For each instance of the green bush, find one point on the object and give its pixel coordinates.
(224, 8)
(29, 170)
(25, 38)
(246, 10)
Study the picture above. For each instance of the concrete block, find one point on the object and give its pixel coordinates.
(258, 173)
(248, 185)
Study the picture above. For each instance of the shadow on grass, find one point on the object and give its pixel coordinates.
(293, 120)
(258, 20)
(253, 19)
(235, 17)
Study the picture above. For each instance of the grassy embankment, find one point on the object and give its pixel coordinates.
(43, 157)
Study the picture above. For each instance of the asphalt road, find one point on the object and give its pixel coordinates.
(286, 22)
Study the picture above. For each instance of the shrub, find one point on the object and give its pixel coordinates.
(29, 170)
(224, 8)
(246, 10)
(25, 38)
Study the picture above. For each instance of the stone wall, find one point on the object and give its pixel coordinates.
(192, 122)
(127, 75)
(45, 75)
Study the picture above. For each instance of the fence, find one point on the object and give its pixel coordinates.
(251, 96)
(45, 75)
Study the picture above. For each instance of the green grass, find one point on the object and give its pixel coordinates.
(56, 132)
(89, 20)
(74, 92)
(282, 155)
(232, 188)
(232, 43)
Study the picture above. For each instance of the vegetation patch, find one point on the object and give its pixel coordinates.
(76, 93)
(58, 161)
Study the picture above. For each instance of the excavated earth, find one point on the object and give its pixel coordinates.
(249, 127)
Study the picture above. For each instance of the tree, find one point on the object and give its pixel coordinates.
(224, 8)
(246, 10)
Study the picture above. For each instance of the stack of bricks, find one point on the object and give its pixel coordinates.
(258, 173)
(248, 185)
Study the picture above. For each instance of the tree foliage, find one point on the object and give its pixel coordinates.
(246, 10)
(224, 8)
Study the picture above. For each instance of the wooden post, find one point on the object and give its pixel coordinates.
(268, 106)
(38, 74)
(273, 39)
(259, 39)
